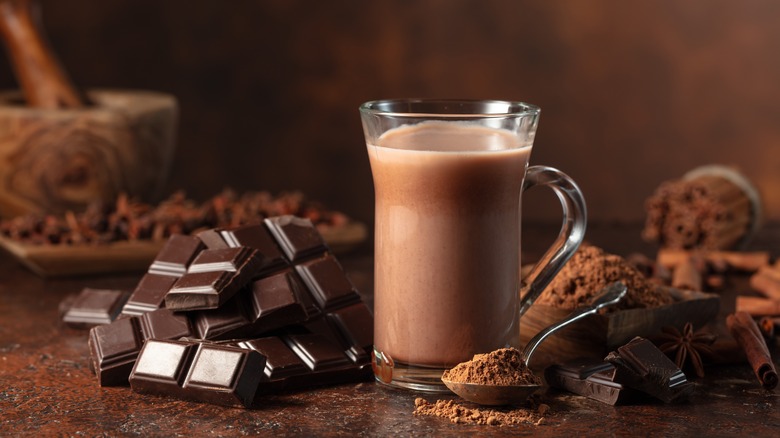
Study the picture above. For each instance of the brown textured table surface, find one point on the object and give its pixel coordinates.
(46, 386)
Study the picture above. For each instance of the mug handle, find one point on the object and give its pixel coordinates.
(569, 238)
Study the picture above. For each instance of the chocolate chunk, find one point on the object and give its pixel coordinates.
(277, 301)
(228, 321)
(212, 239)
(592, 379)
(642, 366)
(281, 362)
(355, 327)
(201, 290)
(256, 237)
(93, 307)
(199, 371)
(149, 295)
(297, 237)
(327, 283)
(214, 277)
(265, 305)
(176, 255)
(115, 347)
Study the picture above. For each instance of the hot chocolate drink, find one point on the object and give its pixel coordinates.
(447, 240)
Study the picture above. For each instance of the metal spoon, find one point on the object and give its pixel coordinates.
(496, 395)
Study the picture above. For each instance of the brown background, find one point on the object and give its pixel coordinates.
(632, 92)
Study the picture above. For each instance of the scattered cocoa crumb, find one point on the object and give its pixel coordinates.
(504, 366)
(589, 271)
(460, 414)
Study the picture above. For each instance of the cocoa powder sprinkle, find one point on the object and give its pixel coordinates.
(504, 366)
(460, 414)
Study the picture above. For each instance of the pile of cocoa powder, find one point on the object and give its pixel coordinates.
(589, 271)
(504, 366)
(460, 414)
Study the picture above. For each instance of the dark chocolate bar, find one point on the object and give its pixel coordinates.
(592, 379)
(641, 365)
(115, 347)
(149, 295)
(297, 236)
(176, 255)
(199, 371)
(93, 307)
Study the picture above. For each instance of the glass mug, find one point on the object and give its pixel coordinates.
(448, 178)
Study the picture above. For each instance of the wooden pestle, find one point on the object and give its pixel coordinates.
(42, 79)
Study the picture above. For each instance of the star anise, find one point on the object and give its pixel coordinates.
(686, 346)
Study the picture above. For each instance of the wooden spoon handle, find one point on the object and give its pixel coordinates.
(43, 81)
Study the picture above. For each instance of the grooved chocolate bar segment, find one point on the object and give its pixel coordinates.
(224, 375)
(149, 295)
(327, 282)
(256, 237)
(113, 350)
(228, 321)
(176, 255)
(317, 352)
(227, 259)
(114, 347)
(594, 379)
(355, 325)
(297, 237)
(212, 239)
(211, 373)
(94, 307)
(281, 361)
(201, 290)
(161, 366)
(165, 324)
(276, 301)
(214, 277)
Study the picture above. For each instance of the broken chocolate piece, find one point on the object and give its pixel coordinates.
(199, 371)
(327, 282)
(296, 236)
(592, 379)
(114, 347)
(642, 366)
(176, 255)
(93, 307)
(258, 238)
(149, 295)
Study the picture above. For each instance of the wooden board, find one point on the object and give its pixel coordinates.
(596, 335)
(132, 257)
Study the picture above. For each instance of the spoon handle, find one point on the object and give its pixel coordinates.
(609, 295)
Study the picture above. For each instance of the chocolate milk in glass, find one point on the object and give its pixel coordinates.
(441, 300)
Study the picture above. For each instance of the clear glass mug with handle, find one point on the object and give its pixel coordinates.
(448, 179)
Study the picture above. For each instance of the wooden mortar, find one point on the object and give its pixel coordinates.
(52, 160)
(61, 149)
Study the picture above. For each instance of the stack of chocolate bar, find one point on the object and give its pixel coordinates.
(632, 372)
(228, 314)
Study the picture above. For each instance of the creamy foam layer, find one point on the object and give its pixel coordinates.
(447, 240)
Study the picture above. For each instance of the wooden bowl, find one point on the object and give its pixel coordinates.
(597, 335)
(57, 160)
